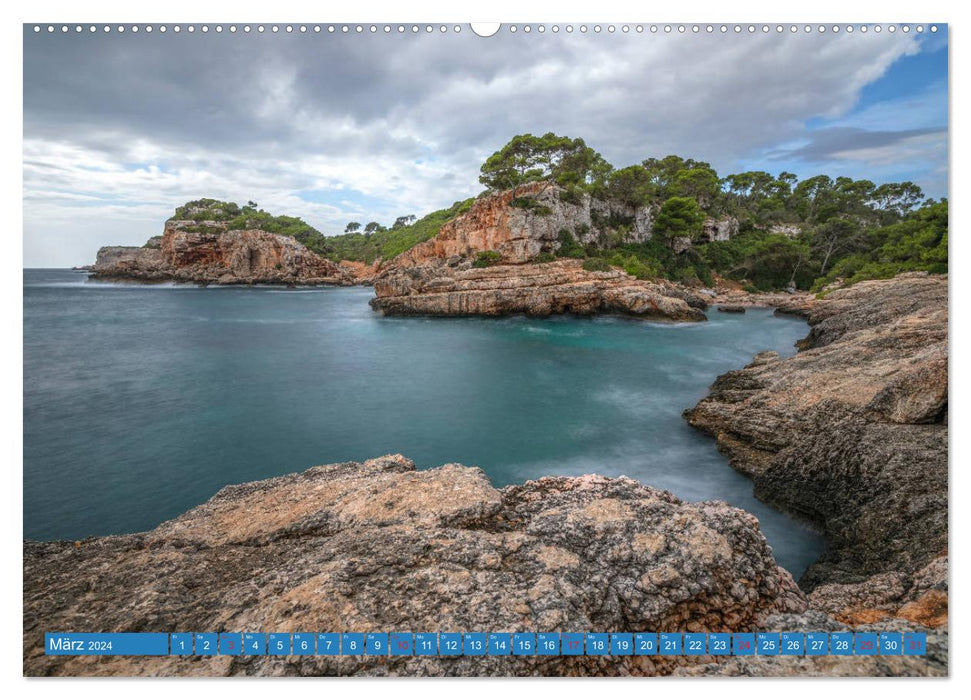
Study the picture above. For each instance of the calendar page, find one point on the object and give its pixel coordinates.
(517, 349)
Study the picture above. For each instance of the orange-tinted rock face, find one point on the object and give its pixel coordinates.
(437, 277)
(362, 272)
(221, 257)
(251, 255)
(520, 233)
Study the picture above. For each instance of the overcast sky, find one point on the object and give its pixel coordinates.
(120, 129)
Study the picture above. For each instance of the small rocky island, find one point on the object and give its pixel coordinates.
(224, 257)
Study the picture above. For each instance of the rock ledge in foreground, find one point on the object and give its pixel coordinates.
(379, 546)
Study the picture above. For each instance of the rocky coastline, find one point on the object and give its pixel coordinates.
(439, 277)
(438, 289)
(379, 546)
(851, 435)
(206, 253)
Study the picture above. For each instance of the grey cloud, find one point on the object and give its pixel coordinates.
(624, 93)
(827, 145)
(265, 116)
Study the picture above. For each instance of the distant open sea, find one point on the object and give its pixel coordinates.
(141, 402)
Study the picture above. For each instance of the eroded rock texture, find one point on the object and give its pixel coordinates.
(520, 233)
(851, 433)
(379, 546)
(439, 289)
(209, 254)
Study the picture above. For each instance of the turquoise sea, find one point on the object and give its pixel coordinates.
(141, 402)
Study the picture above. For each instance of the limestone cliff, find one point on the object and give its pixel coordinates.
(520, 233)
(851, 433)
(438, 289)
(207, 253)
(437, 277)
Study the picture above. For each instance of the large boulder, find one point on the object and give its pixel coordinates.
(379, 546)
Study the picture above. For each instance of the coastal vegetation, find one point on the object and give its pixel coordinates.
(487, 258)
(359, 243)
(786, 232)
(790, 233)
(377, 241)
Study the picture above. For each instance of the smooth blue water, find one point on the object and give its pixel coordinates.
(142, 401)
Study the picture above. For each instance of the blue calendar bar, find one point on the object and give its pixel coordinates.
(106, 644)
(512, 644)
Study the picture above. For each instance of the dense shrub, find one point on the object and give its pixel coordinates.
(596, 265)
(530, 205)
(487, 258)
(569, 248)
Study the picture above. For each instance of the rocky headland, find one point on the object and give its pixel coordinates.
(440, 277)
(207, 253)
(851, 435)
(436, 288)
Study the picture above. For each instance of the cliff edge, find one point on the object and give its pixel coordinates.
(443, 277)
(851, 434)
(208, 253)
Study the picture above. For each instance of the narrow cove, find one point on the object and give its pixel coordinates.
(142, 401)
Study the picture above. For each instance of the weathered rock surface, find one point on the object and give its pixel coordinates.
(379, 546)
(439, 289)
(213, 255)
(519, 234)
(790, 230)
(728, 293)
(361, 272)
(851, 433)
(719, 229)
